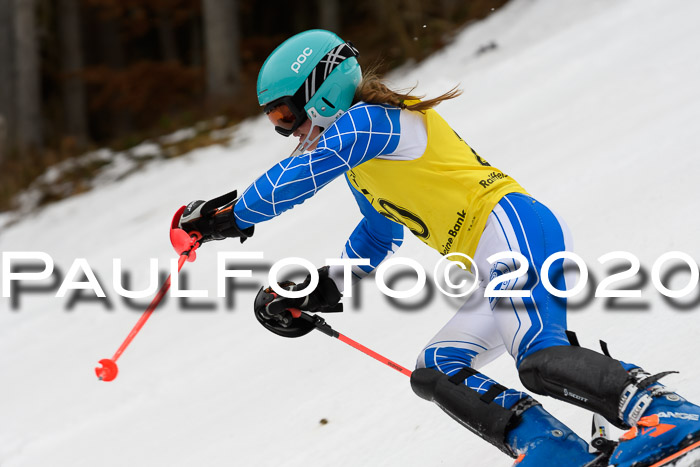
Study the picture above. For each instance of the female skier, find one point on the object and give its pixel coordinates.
(406, 167)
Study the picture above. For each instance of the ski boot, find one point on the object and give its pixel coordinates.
(510, 420)
(665, 428)
(542, 440)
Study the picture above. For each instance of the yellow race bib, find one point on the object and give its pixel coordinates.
(443, 197)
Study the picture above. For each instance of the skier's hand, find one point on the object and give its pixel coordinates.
(325, 298)
(213, 219)
(276, 313)
(281, 314)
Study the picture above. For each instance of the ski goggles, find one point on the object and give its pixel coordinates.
(285, 115)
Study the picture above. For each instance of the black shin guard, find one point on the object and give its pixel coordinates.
(473, 410)
(579, 376)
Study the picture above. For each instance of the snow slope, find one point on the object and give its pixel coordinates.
(592, 105)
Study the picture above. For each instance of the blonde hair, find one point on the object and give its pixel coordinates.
(373, 91)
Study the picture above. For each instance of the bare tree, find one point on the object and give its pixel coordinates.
(114, 56)
(166, 34)
(329, 15)
(3, 138)
(222, 47)
(72, 64)
(28, 89)
(195, 31)
(448, 8)
(7, 77)
(390, 13)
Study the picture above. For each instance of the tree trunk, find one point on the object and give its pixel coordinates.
(329, 15)
(300, 18)
(3, 139)
(7, 77)
(195, 42)
(28, 89)
(74, 109)
(166, 36)
(222, 42)
(113, 55)
(388, 13)
(448, 7)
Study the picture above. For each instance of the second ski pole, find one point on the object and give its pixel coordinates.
(185, 244)
(321, 325)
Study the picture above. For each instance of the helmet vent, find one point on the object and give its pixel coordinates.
(329, 104)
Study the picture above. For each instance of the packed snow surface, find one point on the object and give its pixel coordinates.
(593, 106)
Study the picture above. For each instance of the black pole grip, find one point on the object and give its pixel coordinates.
(211, 205)
(320, 324)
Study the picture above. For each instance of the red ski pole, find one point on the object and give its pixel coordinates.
(322, 326)
(185, 244)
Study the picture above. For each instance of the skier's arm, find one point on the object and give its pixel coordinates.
(364, 132)
(375, 238)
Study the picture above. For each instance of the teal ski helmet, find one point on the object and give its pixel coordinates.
(313, 75)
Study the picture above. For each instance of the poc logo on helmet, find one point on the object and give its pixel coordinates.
(301, 59)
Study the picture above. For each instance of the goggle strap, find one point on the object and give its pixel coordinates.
(304, 145)
(323, 69)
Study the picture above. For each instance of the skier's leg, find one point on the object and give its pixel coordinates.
(522, 225)
(661, 421)
(470, 336)
(509, 419)
(621, 392)
(535, 326)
